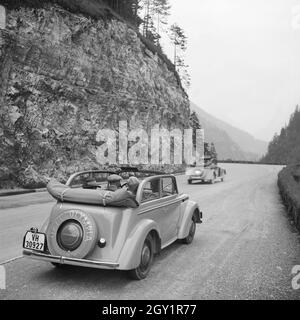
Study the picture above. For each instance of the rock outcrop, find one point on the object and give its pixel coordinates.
(63, 77)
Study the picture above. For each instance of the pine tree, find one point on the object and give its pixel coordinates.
(179, 41)
(154, 13)
(285, 147)
(161, 8)
(213, 151)
(194, 123)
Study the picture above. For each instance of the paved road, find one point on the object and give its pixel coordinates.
(19, 213)
(245, 249)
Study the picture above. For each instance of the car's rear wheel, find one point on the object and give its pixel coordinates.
(147, 255)
(190, 237)
(212, 181)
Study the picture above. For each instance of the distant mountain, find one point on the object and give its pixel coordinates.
(231, 143)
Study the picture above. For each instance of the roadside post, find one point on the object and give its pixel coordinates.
(2, 278)
(2, 17)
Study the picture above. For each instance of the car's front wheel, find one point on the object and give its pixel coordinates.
(147, 255)
(190, 237)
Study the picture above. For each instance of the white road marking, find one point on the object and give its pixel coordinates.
(10, 260)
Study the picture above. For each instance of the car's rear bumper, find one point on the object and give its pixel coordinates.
(71, 261)
(194, 177)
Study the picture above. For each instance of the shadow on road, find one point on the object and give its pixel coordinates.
(89, 277)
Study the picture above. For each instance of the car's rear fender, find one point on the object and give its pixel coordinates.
(130, 254)
(189, 210)
(208, 174)
(45, 225)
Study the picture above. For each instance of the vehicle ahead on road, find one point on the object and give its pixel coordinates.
(92, 226)
(208, 174)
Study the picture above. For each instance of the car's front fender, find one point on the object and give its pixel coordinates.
(130, 254)
(190, 209)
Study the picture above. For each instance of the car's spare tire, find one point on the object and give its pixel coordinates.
(72, 233)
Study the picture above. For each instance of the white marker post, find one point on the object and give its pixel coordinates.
(2, 278)
(2, 17)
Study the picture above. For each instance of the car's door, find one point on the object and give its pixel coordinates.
(158, 203)
(172, 206)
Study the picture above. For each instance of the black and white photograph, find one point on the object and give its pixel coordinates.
(149, 151)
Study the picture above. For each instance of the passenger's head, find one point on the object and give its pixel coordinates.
(133, 184)
(114, 182)
(89, 183)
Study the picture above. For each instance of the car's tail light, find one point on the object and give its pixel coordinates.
(69, 235)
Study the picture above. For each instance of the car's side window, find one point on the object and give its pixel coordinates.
(151, 190)
(168, 187)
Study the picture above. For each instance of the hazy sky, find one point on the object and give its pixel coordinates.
(244, 58)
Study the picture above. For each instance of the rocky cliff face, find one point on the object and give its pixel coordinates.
(64, 77)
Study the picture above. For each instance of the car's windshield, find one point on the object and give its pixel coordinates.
(82, 179)
(93, 179)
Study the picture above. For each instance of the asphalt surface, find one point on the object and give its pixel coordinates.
(245, 248)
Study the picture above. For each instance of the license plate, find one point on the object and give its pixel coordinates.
(34, 241)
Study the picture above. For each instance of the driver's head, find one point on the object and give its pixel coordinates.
(114, 182)
(133, 184)
(155, 185)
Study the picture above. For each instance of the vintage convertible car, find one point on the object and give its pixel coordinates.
(92, 226)
(209, 174)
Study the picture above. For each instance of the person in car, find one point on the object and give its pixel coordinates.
(132, 185)
(90, 183)
(114, 182)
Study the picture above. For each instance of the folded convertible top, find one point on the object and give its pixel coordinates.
(118, 198)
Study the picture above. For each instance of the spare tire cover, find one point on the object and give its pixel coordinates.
(90, 233)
